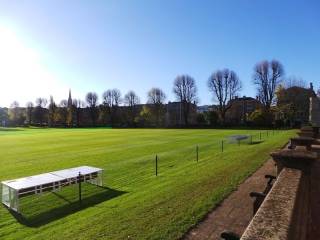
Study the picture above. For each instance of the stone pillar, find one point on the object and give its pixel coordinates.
(316, 131)
(309, 131)
(302, 141)
(297, 159)
(314, 113)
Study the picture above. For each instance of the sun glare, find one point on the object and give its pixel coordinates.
(23, 76)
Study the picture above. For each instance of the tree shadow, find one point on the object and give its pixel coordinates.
(9, 129)
(256, 142)
(44, 217)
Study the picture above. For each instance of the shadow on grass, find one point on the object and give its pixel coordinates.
(9, 129)
(256, 142)
(51, 215)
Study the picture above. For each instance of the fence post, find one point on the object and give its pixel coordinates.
(197, 151)
(267, 133)
(222, 146)
(156, 165)
(239, 142)
(260, 135)
(251, 139)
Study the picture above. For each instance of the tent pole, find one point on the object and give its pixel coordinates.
(79, 181)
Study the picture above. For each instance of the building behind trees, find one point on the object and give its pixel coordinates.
(240, 109)
(174, 116)
(291, 108)
(293, 105)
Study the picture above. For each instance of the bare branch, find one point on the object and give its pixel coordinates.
(224, 86)
(267, 76)
(184, 87)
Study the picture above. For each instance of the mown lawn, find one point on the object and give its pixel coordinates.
(134, 203)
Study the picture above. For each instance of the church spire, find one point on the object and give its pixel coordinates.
(69, 99)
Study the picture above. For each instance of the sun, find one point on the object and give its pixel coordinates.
(23, 75)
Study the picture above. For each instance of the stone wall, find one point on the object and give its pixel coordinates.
(275, 218)
(291, 210)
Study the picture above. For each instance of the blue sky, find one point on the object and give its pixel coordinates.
(97, 45)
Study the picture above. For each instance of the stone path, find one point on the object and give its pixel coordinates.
(235, 212)
(314, 221)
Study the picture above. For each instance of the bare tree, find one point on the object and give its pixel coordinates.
(131, 100)
(29, 111)
(156, 97)
(41, 102)
(52, 112)
(111, 100)
(224, 86)
(267, 76)
(295, 82)
(40, 112)
(92, 100)
(78, 104)
(14, 113)
(185, 89)
(111, 97)
(14, 104)
(63, 112)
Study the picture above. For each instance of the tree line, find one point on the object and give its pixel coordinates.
(115, 110)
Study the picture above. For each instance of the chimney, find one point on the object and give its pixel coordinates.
(311, 86)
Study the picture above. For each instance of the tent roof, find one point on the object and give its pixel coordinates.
(50, 177)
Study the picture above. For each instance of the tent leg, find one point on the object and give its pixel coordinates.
(79, 181)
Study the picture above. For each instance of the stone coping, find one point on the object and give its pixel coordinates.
(303, 138)
(294, 154)
(302, 141)
(307, 128)
(301, 159)
(306, 134)
(274, 217)
(309, 131)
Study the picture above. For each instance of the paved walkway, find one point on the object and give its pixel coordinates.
(235, 212)
(314, 221)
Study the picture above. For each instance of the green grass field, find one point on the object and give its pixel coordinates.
(134, 203)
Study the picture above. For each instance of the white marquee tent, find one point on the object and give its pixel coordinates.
(13, 190)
